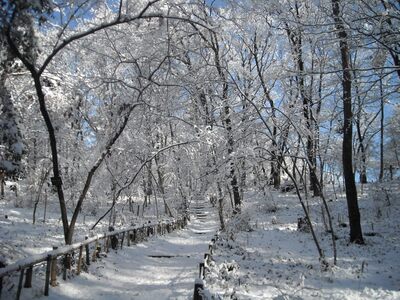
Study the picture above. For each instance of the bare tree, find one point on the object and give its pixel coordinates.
(347, 146)
(18, 15)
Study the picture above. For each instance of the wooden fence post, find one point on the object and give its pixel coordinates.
(139, 235)
(98, 250)
(47, 281)
(95, 251)
(198, 287)
(201, 270)
(28, 277)
(114, 241)
(53, 273)
(2, 265)
(107, 249)
(21, 279)
(78, 271)
(207, 258)
(87, 252)
(66, 265)
(105, 243)
(122, 240)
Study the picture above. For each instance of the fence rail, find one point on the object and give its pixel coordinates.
(113, 239)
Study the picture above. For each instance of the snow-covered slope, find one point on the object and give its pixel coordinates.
(263, 256)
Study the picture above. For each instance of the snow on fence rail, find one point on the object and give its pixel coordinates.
(200, 290)
(114, 239)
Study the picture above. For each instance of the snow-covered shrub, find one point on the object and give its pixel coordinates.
(206, 294)
(240, 223)
(227, 271)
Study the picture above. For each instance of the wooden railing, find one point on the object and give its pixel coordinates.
(91, 248)
(199, 284)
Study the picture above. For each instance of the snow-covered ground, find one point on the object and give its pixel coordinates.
(19, 238)
(263, 256)
(163, 267)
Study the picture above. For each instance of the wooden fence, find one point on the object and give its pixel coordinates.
(199, 284)
(88, 251)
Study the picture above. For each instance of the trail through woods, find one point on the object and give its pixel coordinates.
(163, 267)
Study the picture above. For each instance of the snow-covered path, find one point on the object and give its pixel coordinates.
(137, 273)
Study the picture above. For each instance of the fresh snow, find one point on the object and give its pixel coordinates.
(261, 255)
(163, 267)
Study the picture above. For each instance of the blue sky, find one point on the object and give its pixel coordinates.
(217, 3)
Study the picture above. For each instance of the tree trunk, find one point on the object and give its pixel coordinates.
(363, 167)
(275, 172)
(39, 191)
(296, 39)
(381, 169)
(220, 207)
(228, 126)
(56, 179)
(347, 155)
(2, 182)
(361, 148)
(275, 158)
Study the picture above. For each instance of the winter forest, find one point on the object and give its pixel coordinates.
(268, 128)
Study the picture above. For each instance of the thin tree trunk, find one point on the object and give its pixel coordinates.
(361, 137)
(347, 155)
(275, 165)
(2, 182)
(56, 179)
(295, 37)
(381, 169)
(220, 206)
(228, 126)
(41, 183)
(361, 148)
